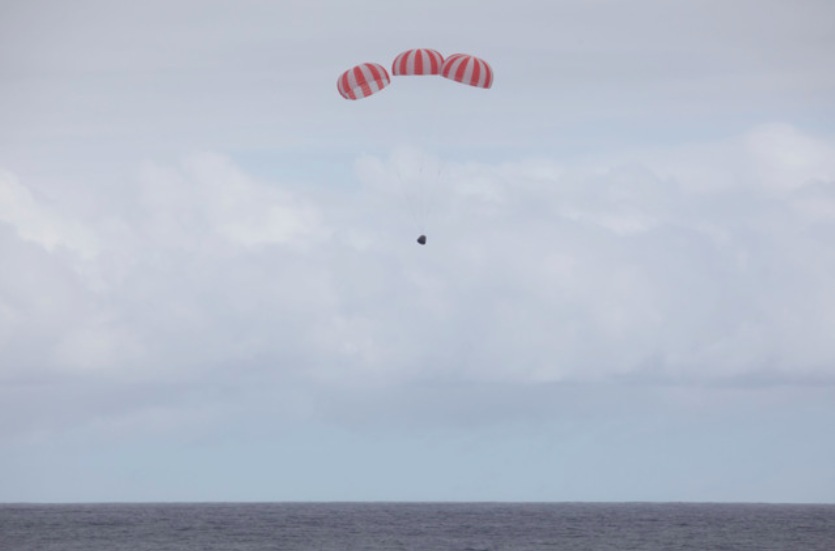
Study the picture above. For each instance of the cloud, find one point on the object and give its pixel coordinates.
(211, 199)
(291, 296)
(127, 303)
(39, 222)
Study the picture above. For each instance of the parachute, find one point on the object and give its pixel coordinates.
(362, 80)
(468, 69)
(367, 79)
(420, 61)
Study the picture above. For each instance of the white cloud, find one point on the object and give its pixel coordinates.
(209, 198)
(40, 222)
(610, 269)
(535, 271)
(785, 159)
(152, 294)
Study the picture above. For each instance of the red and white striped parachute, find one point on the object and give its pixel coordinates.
(468, 69)
(362, 80)
(420, 61)
(366, 79)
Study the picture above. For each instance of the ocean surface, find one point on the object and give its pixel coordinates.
(417, 527)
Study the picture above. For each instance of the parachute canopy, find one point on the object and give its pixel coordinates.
(362, 80)
(420, 61)
(468, 69)
(367, 79)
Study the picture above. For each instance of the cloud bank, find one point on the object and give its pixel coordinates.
(677, 266)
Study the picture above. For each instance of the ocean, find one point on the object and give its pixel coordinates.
(417, 527)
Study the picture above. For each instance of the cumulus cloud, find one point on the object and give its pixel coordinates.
(210, 199)
(536, 271)
(39, 222)
(161, 275)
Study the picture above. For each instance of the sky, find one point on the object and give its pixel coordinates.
(210, 288)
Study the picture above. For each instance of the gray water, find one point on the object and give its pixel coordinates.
(417, 527)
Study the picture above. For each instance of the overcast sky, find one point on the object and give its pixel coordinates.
(210, 288)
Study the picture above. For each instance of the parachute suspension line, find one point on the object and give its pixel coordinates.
(424, 187)
(417, 184)
(421, 190)
(433, 193)
(407, 197)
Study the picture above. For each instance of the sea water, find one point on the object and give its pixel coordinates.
(417, 527)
